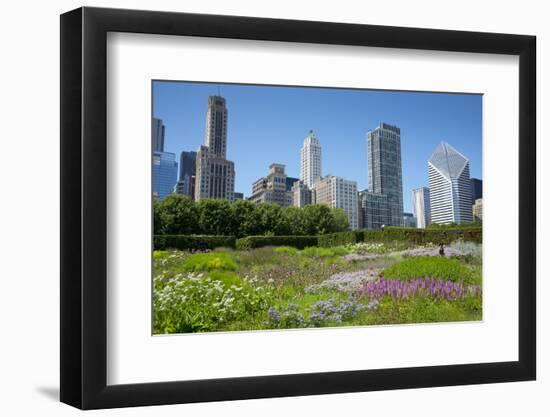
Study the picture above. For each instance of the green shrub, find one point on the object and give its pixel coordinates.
(299, 242)
(325, 252)
(337, 239)
(430, 266)
(189, 242)
(287, 250)
(211, 261)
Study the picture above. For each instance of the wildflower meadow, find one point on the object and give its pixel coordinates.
(283, 287)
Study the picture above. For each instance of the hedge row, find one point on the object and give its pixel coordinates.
(417, 236)
(298, 242)
(190, 242)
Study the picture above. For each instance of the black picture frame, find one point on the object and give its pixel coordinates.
(84, 207)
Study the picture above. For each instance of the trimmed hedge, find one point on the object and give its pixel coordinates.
(339, 238)
(390, 234)
(190, 242)
(298, 242)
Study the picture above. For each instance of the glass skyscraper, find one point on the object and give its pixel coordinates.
(385, 172)
(421, 206)
(165, 171)
(450, 188)
(158, 135)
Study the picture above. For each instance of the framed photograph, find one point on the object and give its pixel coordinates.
(257, 208)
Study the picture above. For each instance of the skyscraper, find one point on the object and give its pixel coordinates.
(337, 192)
(301, 194)
(310, 160)
(385, 172)
(165, 171)
(157, 135)
(373, 210)
(450, 189)
(409, 220)
(187, 174)
(421, 206)
(215, 175)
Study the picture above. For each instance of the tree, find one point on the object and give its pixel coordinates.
(245, 219)
(272, 220)
(295, 219)
(341, 222)
(214, 217)
(318, 219)
(175, 214)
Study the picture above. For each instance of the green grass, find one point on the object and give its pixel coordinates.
(430, 266)
(211, 261)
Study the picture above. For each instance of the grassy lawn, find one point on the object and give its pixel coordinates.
(282, 287)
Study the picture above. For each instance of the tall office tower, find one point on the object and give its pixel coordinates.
(310, 160)
(337, 192)
(272, 189)
(374, 211)
(215, 136)
(301, 194)
(421, 206)
(187, 174)
(157, 135)
(384, 162)
(215, 175)
(477, 189)
(450, 189)
(165, 172)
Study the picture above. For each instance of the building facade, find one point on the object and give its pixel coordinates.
(301, 194)
(310, 169)
(187, 174)
(477, 189)
(374, 212)
(157, 135)
(215, 175)
(385, 171)
(450, 188)
(165, 172)
(477, 210)
(421, 206)
(273, 188)
(337, 192)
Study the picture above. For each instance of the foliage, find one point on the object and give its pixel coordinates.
(197, 302)
(192, 242)
(211, 261)
(251, 242)
(179, 215)
(337, 239)
(433, 267)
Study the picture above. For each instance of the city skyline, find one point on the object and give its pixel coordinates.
(249, 129)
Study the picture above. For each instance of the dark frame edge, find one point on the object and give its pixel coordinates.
(71, 197)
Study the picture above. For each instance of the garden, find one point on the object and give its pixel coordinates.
(360, 278)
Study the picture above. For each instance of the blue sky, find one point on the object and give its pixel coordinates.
(268, 124)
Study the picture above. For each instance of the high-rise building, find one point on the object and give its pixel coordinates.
(165, 171)
(215, 175)
(238, 196)
(385, 172)
(310, 160)
(477, 210)
(450, 189)
(187, 174)
(409, 220)
(272, 189)
(157, 135)
(337, 192)
(477, 189)
(421, 206)
(373, 210)
(301, 194)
